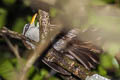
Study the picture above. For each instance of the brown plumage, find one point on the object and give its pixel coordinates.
(70, 45)
(84, 52)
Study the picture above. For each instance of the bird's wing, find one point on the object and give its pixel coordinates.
(86, 53)
(83, 51)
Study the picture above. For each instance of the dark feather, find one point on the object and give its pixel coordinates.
(80, 58)
(56, 68)
(88, 58)
(85, 52)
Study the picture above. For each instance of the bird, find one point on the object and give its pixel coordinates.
(32, 32)
(67, 44)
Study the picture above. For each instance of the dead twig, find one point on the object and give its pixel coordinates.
(12, 34)
(13, 48)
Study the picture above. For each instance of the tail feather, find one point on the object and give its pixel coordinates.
(92, 61)
(84, 53)
(80, 58)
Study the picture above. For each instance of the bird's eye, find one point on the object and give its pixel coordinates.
(27, 26)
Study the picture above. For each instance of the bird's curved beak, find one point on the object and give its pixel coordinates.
(33, 19)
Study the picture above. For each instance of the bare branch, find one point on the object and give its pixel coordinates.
(13, 48)
(6, 31)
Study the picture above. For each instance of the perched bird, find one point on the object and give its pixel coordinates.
(32, 32)
(67, 44)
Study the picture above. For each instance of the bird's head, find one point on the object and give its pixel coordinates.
(31, 31)
(31, 24)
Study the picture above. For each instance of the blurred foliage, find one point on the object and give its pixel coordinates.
(40, 75)
(102, 71)
(9, 2)
(3, 14)
(7, 70)
(27, 2)
(98, 2)
(109, 1)
(17, 26)
(53, 12)
(106, 61)
(14, 14)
